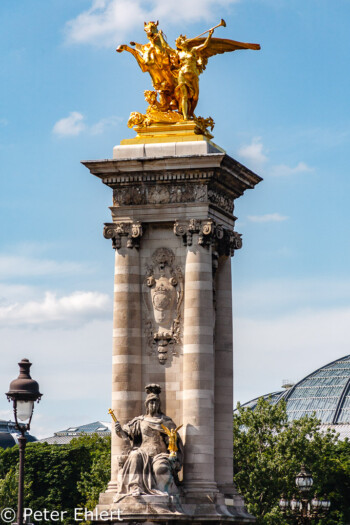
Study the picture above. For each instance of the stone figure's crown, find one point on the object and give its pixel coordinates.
(153, 388)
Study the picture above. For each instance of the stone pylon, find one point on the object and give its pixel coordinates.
(173, 233)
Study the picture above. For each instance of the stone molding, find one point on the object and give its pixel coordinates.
(131, 230)
(152, 177)
(223, 240)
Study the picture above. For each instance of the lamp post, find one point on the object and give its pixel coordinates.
(23, 392)
(303, 511)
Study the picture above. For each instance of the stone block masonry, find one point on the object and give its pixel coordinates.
(173, 233)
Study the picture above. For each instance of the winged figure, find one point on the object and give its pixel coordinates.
(175, 72)
(193, 55)
(172, 447)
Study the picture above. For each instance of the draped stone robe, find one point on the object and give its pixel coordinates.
(148, 468)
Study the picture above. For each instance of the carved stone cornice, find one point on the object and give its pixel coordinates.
(116, 230)
(223, 240)
(216, 179)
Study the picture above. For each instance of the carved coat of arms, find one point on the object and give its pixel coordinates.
(163, 289)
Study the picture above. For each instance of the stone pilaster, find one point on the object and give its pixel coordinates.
(127, 385)
(223, 376)
(198, 371)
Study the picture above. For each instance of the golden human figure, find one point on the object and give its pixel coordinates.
(190, 63)
(172, 433)
(175, 73)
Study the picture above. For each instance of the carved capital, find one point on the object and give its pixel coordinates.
(224, 241)
(131, 230)
(230, 242)
(181, 230)
(186, 229)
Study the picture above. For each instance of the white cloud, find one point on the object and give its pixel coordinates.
(271, 298)
(107, 22)
(268, 217)
(70, 126)
(290, 346)
(6, 414)
(70, 310)
(103, 124)
(72, 368)
(22, 266)
(253, 153)
(287, 328)
(282, 170)
(74, 124)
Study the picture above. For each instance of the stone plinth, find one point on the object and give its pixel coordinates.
(173, 233)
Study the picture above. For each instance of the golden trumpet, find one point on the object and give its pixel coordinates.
(222, 23)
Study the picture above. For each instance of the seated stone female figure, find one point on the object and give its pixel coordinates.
(149, 469)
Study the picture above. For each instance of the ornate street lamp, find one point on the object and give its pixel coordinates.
(304, 480)
(23, 392)
(303, 511)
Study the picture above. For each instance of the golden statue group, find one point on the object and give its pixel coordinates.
(175, 74)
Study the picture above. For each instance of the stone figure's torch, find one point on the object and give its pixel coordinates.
(111, 412)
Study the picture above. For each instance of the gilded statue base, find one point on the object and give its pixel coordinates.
(183, 131)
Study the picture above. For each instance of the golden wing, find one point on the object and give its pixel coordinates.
(178, 428)
(166, 430)
(217, 46)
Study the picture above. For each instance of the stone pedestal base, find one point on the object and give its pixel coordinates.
(168, 510)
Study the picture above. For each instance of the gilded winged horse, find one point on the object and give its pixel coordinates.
(156, 58)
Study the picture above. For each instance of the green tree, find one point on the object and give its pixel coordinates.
(94, 480)
(57, 477)
(268, 453)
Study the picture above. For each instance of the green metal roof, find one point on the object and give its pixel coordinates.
(325, 392)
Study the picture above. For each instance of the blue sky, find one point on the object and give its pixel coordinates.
(283, 112)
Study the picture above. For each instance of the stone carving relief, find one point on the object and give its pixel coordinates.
(221, 199)
(163, 289)
(140, 195)
(159, 194)
(131, 230)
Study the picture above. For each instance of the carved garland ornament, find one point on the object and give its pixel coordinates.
(131, 230)
(163, 289)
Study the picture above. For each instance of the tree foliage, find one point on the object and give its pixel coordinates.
(57, 477)
(269, 451)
